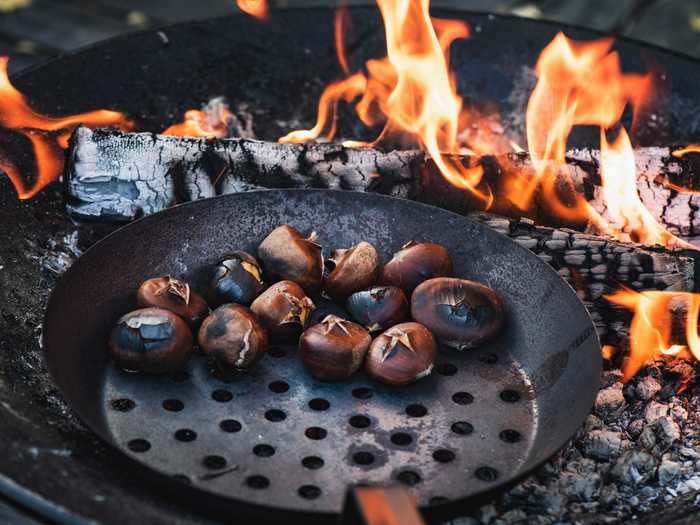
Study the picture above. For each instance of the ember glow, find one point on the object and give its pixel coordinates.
(211, 122)
(256, 8)
(651, 331)
(48, 135)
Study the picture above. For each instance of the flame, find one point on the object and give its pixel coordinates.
(581, 83)
(608, 352)
(211, 122)
(411, 92)
(690, 148)
(342, 20)
(651, 327)
(256, 8)
(48, 135)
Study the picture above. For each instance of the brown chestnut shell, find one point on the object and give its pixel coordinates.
(334, 349)
(415, 263)
(354, 269)
(461, 314)
(151, 340)
(237, 278)
(174, 295)
(233, 337)
(287, 255)
(284, 310)
(379, 307)
(402, 354)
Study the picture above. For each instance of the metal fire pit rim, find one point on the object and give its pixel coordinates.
(216, 504)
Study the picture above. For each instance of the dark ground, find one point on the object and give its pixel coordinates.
(34, 30)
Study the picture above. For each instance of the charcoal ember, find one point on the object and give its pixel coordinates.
(668, 471)
(592, 422)
(634, 467)
(655, 410)
(667, 433)
(603, 445)
(635, 428)
(487, 513)
(609, 495)
(581, 482)
(678, 413)
(512, 517)
(647, 438)
(646, 388)
(610, 401)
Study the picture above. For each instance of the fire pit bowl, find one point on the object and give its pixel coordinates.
(281, 445)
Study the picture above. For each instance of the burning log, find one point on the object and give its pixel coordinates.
(111, 176)
(118, 176)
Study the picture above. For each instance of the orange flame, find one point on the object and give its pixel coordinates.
(650, 331)
(690, 148)
(581, 83)
(256, 8)
(411, 91)
(211, 122)
(48, 135)
(342, 20)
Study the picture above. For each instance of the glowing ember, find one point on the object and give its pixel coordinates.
(213, 121)
(581, 83)
(256, 8)
(651, 333)
(48, 135)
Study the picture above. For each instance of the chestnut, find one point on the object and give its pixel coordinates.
(287, 255)
(174, 295)
(284, 310)
(333, 350)
(152, 340)
(233, 337)
(462, 314)
(402, 354)
(415, 263)
(237, 279)
(352, 270)
(379, 307)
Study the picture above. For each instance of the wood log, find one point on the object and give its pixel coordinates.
(119, 176)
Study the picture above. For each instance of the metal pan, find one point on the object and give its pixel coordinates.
(277, 443)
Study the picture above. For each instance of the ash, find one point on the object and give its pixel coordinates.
(638, 451)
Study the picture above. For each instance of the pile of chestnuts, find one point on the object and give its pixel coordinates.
(397, 313)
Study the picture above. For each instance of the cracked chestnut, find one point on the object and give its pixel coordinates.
(174, 295)
(351, 270)
(334, 349)
(237, 279)
(151, 340)
(233, 337)
(402, 354)
(284, 310)
(461, 314)
(287, 255)
(379, 307)
(415, 263)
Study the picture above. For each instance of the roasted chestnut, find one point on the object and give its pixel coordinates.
(286, 254)
(233, 337)
(152, 340)
(333, 350)
(284, 310)
(353, 269)
(415, 263)
(379, 307)
(174, 295)
(237, 279)
(402, 354)
(462, 314)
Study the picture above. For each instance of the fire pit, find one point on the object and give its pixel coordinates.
(265, 70)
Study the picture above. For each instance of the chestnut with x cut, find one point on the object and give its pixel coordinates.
(402, 354)
(174, 295)
(284, 310)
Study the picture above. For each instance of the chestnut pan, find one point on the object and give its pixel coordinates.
(275, 443)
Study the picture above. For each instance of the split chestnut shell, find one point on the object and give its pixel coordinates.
(402, 354)
(174, 295)
(287, 255)
(237, 279)
(462, 314)
(415, 263)
(284, 310)
(379, 307)
(353, 269)
(233, 337)
(152, 340)
(334, 349)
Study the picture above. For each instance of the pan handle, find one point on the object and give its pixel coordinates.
(392, 505)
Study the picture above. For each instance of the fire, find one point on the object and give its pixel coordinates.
(342, 21)
(212, 121)
(256, 8)
(651, 334)
(48, 135)
(690, 148)
(581, 83)
(411, 92)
